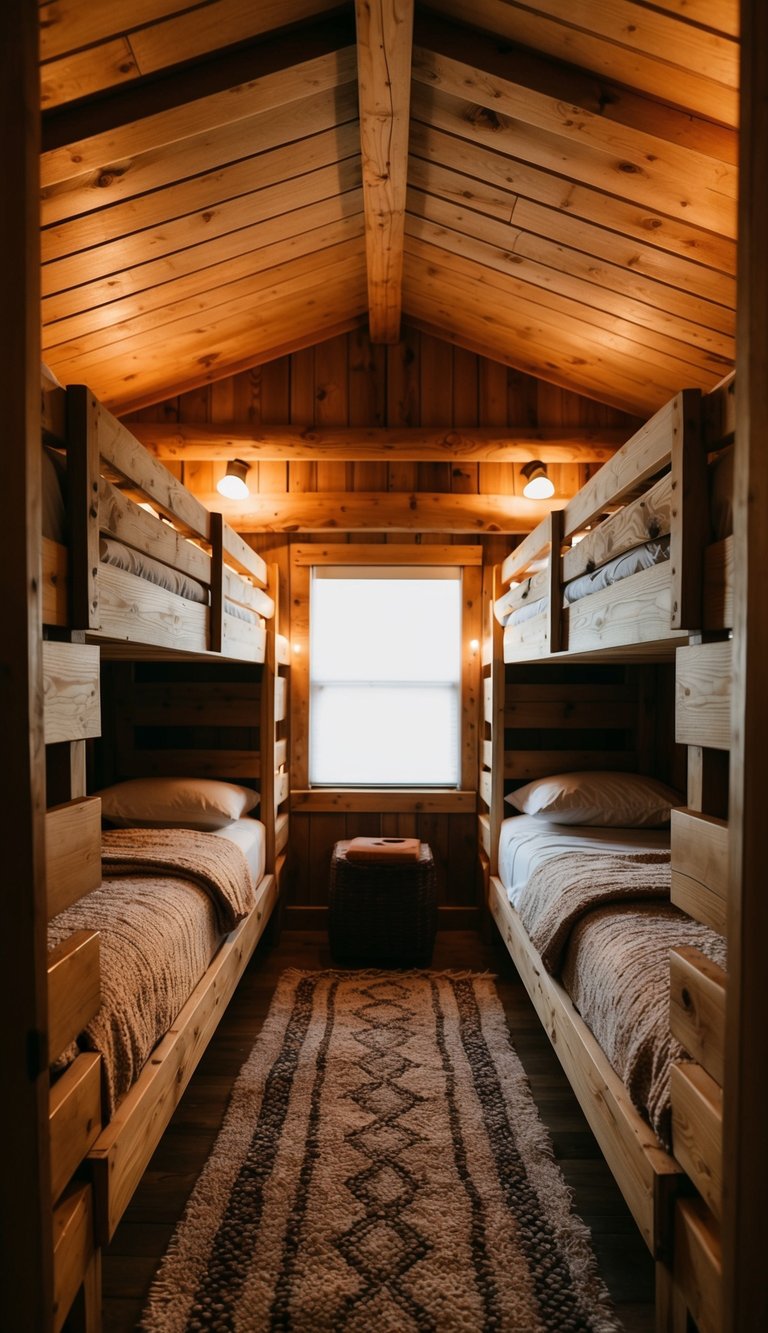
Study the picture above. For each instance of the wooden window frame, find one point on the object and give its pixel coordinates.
(402, 800)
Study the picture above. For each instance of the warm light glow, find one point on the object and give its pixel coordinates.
(233, 484)
(474, 644)
(296, 647)
(148, 509)
(538, 485)
(577, 537)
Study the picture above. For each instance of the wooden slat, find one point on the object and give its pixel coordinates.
(121, 518)
(74, 990)
(697, 1130)
(196, 442)
(484, 834)
(75, 1117)
(698, 1264)
(322, 553)
(449, 159)
(244, 557)
(384, 42)
(564, 713)
(700, 872)
(717, 613)
(384, 801)
(645, 1174)
(607, 45)
(71, 685)
(697, 1008)
(281, 698)
(378, 511)
(72, 852)
(531, 548)
(529, 764)
(199, 763)
(281, 753)
(703, 695)
(282, 650)
(643, 519)
(636, 610)
(136, 611)
(81, 143)
(121, 1153)
(486, 788)
(282, 788)
(73, 1250)
(118, 447)
(648, 451)
(243, 641)
(471, 67)
(488, 700)
(195, 704)
(55, 575)
(281, 832)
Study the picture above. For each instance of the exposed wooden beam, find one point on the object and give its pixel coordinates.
(190, 442)
(381, 511)
(384, 44)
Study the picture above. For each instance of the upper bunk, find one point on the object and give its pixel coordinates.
(642, 554)
(130, 557)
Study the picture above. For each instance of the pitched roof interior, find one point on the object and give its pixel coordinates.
(568, 191)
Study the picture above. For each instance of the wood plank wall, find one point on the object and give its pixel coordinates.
(346, 381)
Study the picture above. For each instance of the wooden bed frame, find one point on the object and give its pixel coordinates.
(95, 1170)
(110, 475)
(680, 1228)
(648, 614)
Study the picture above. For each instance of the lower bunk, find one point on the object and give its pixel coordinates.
(141, 969)
(586, 918)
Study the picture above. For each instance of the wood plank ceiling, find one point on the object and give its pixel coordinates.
(553, 187)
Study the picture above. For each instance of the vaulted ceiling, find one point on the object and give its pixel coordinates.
(227, 181)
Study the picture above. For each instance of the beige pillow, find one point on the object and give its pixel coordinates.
(196, 803)
(612, 800)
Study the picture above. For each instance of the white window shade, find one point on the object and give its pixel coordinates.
(385, 673)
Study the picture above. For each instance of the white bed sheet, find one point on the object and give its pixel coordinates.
(250, 836)
(528, 841)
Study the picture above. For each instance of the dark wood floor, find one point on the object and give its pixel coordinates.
(158, 1203)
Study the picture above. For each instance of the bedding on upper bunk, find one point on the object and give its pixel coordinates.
(168, 898)
(620, 567)
(595, 904)
(120, 556)
(644, 556)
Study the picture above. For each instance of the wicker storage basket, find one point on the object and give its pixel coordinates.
(380, 914)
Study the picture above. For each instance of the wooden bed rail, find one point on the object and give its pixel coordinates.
(97, 441)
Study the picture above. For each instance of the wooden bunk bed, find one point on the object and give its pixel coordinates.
(136, 560)
(95, 1166)
(633, 563)
(680, 1224)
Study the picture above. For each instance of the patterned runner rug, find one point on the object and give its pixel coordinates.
(381, 1169)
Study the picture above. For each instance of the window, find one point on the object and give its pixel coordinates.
(385, 676)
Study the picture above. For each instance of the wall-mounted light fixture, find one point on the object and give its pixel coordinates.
(538, 485)
(474, 644)
(233, 484)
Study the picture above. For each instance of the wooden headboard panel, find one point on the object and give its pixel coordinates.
(569, 717)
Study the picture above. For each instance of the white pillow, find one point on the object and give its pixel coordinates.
(612, 800)
(196, 803)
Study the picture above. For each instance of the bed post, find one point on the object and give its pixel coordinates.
(690, 512)
(216, 633)
(83, 474)
(555, 589)
(26, 1253)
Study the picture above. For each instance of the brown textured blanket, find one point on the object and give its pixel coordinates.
(603, 923)
(169, 897)
(217, 865)
(562, 890)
